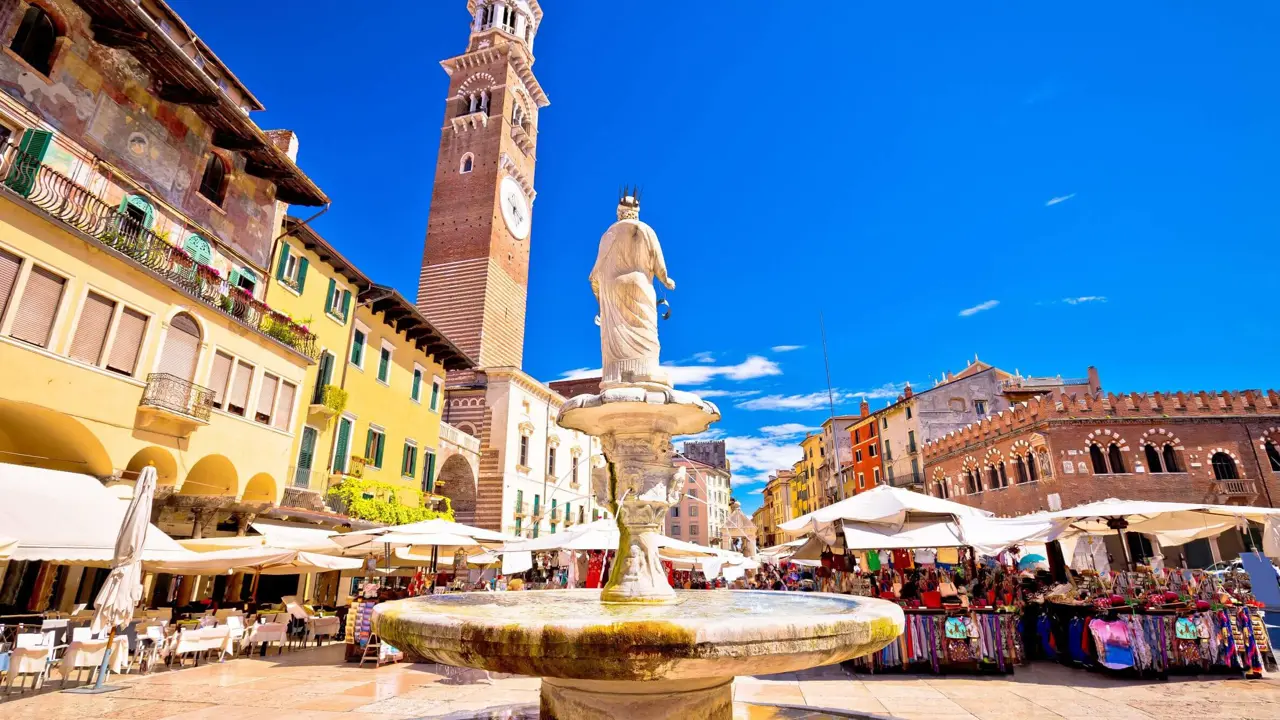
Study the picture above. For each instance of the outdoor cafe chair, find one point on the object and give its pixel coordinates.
(150, 645)
(327, 627)
(82, 655)
(266, 633)
(190, 641)
(30, 656)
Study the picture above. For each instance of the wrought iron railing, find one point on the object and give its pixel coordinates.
(61, 198)
(172, 393)
(308, 478)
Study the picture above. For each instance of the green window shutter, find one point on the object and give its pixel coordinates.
(368, 444)
(26, 163)
(328, 297)
(302, 273)
(142, 204)
(357, 348)
(384, 364)
(435, 396)
(346, 304)
(344, 442)
(417, 385)
(199, 249)
(284, 260)
(382, 444)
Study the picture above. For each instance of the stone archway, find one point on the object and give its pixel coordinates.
(39, 437)
(457, 482)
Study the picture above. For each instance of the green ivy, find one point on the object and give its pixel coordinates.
(378, 502)
(334, 398)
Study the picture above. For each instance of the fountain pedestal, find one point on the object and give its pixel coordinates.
(635, 425)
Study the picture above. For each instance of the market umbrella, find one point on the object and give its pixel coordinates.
(122, 591)
(435, 534)
(1028, 561)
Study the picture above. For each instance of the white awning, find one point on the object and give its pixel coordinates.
(265, 560)
(595, 535)
(7, 546)
(882, 504)
(69, 518)
(300, 538)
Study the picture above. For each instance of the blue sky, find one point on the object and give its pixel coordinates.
(1048, 186)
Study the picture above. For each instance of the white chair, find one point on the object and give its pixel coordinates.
(235, 626)
(189, 642)
(81, 655)
(30, 657)
(267, 633)
(326, 627)
(218, 639)
(150, 645)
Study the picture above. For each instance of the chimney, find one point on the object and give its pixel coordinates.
(906, 391)
(865, 408)
(1095, 385)
(286, 141)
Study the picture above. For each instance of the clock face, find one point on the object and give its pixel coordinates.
(515, 208)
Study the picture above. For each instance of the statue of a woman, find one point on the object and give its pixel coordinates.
(622, 279)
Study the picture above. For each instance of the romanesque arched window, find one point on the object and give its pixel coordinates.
(1224, 467)
(1273, 455)
(1098, 460)
(1115, 460)
(1154, 463)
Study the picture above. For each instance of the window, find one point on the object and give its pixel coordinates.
(409, 460)
(131, 328)
(292, 270)
(888, 452)
(10, 264)
(1170, 459)
(873, 449)
(415, 392)
(266, 398)
(884, 422)
(857, 436)
(675, 511)
(375, 441)
(213, 183)
(342, 446)
(943, 491)
(693, 492)
(911, 441)
(1004, 475)
(582, 514)
(1115, 460)
(218, 377)
(468, 163)
(857, 455)
(980, 407)
(437, 389)
(555, 517)
(573, 477)
(875, 475)
(197, 247)
(1021, 467)
(693, 511)
(551, 461)
(284, 406)
(693, 531)
(675, 531)
(245, 279)
(384, 365)
(238, 397)
(973, 481)
(1098, 460)
(993, 477)
(35, 39)
(306, 457)
(862, 481)
(908, 412)
(1224, 467)
(1154, 463)
(337, 302)
(182, 348)
(1273, 455)
(1032, 473)
(524, 451)
(91, 331)
(358, 340)
(429, 471)
(38, 308)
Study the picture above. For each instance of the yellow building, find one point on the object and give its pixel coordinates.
(807, 491)
(135, 230)
(374, 399)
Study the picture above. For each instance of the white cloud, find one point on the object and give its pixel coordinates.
(810, 401)
(704, 357)
(757, 456)
(787, 429)
(757, 491)
(887, 390)
(786, 348)
(753, 367)
(748, 479)
(1059, 199)
(727, 393)
(1085, 299)
(979, 308)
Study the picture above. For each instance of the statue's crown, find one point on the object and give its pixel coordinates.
(629, 202)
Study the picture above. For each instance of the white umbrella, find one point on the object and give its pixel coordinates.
(7, 546)
(123, 588)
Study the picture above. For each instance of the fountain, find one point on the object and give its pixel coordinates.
(638, 649)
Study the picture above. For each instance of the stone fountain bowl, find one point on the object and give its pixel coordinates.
(677, 658)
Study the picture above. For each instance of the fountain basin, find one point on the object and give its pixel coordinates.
(633, 660)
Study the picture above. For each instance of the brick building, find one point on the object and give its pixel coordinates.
(864, 470)
(1060, 450)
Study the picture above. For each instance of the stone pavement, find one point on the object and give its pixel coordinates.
(316, 684)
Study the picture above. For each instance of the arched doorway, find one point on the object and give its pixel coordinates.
(458, 483)
(39, 437)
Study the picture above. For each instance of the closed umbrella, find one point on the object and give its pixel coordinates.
(123, 588)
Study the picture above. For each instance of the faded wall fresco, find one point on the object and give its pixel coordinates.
(100, 99)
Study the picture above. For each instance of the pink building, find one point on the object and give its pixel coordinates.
(704, 509)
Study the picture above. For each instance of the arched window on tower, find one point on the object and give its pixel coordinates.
(1170, 457)
(975, 481)
(1273, 455)
(1022, 470)
(213, 184)
(1032, 472)
(1224, 467)
(993, 477)
(1115, 460)
(1098, 460)
(1154, 463)
(468, 163)
(943, 490)
(35, 39)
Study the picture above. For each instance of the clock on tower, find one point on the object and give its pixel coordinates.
(475, 264)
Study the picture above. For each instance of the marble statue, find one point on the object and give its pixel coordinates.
(622, 280)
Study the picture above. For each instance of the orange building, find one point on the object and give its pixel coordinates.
(865, 471)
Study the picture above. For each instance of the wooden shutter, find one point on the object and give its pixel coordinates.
(306, 458)
(417, 385)
(199, 249)
(284, 408)
(328, 298)
(239, 396)
(341, 451)
(429, 472)
(130, 330)
(384, 365)
(435, 395)
(39, 307)
(326, 369)
(302, 273)
(218, 377)
(284, 262)
(181, 348)
(91, 332)
(10, 264)
(267, 395)
(346, 304)
(26, 163)
(368, 444)
(382, 445)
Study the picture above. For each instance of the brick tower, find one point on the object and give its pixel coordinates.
(475, 266)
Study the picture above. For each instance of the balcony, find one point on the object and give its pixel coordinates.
(305, 478)
(61, 199)
(537, 513)
(327, 401)
(555, 515)
(451, 434)
(170, 400)
(1235, 488)
(521, 510)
